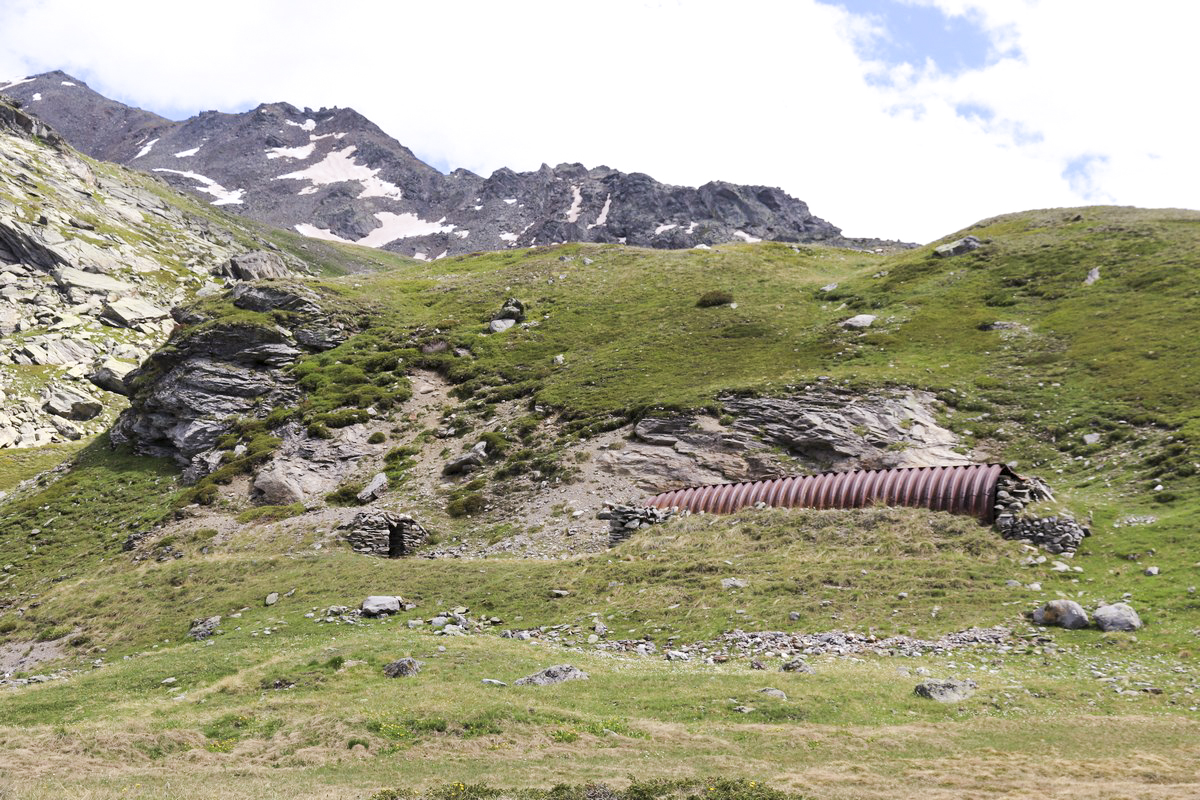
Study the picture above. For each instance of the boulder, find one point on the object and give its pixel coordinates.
(778, 694)
(254, 266)
(500, 325)
(733, 583)
(275, 487)
(958, 247)
(271, 599)
(1117, 617)
(274, 298)
(859, 321)
(110, 374)
(374, 489)
(70, 278)
(513, 309)
(796, 665)
(203, 628)
(378, 604)
(402, 668)
(947, 691)
(1063, 613)
(130, 311)
(468, 462)
(69, 405)
(556, 674)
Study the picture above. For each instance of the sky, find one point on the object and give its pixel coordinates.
(903, 119)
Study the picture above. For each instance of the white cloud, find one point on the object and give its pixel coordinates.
(769, 92)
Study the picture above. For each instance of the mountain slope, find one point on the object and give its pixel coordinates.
(1063, 344)
(333, 174)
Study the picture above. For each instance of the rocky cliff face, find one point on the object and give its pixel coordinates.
(333, 174)
(92, 258)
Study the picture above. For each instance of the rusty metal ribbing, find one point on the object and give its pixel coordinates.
(965, 489)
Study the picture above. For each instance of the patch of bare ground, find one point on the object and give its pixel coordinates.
(24, 656)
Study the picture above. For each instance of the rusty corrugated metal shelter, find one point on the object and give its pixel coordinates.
(963, 489)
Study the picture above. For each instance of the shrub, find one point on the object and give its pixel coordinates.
(717, 297)
(376, 438)
(465, 505)
(344, 495)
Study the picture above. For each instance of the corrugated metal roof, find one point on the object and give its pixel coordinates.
(961, 489)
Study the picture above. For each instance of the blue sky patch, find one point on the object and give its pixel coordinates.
(913, 34)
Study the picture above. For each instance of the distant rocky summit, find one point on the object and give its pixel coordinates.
(333, 174)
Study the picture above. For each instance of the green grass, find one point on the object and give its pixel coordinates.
(1115, 358)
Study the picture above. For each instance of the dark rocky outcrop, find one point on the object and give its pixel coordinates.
(254, 266)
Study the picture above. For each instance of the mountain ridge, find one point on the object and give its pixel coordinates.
(333, 174)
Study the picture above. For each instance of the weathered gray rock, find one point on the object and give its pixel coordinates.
(110, 374)
(204, 628)
(130, 311)
(556, 674)
(378, 604)
(958, 247)
(402, 668)
(859, 321)
(271, 599)
(253, 297)
(69, 405)
(734, 583)
(946, 691)
(275, 487)
(778, 694)
(468, 462)
(254, 266)
(1062, 613)
(500, 325)
(797, 665)
(72, 278)
(374, 489)
(1117, 617)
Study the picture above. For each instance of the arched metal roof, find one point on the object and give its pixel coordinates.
(962, 489)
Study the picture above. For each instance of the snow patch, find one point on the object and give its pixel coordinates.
(15, 82)
(462, 234)
(603, 218)
(508, 237)
(225, 197)
(663, 229)
(391, 227)
(302, 152)
(441, 255)
(745, 237)
(308, 124)
(67, 83)
(37, 96)
(308, 190)
(576, 204)
(339, 166)
(420, 257)
(477, 208)
(146, 149)
(702, 247)
(187, 153)
(691, 228)
(511, 200)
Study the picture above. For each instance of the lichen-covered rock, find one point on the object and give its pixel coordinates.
(550, 675)
(402, 668)
(1063, 614)
(1117, 617)
(946, 691)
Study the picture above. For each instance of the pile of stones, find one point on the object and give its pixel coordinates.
(1054, 534)
(624, 520)
(375, 532)
(841, 643)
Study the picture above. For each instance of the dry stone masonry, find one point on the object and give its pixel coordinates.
(1054, 534)
(376, 532)
(623, 520)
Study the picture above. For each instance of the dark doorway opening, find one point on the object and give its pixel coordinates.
(395, 540)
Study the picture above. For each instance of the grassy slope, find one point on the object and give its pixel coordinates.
(1115, 358)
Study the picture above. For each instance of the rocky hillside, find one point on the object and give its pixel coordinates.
(333, 174)
(355, 527)
(92, 259)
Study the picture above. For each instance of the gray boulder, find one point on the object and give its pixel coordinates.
(254, 266)
(796, 665)
(374, 489)
(778, 694)
(203, 628)
(130, 311)
(468, 462)
(1063, 613)
(69, 405)
(958, 247)
(110, 375)
(275, 487)
(1117, 617)
(378, 604)
(556, 674)
(402, 668)
(947, 691)
(500, 325)
(859, 321)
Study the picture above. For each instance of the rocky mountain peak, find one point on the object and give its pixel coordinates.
(333, 174)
